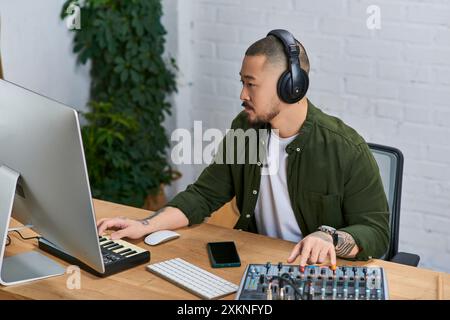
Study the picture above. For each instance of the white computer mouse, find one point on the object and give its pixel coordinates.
(161, 236)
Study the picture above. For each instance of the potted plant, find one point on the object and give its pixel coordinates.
(124, 140)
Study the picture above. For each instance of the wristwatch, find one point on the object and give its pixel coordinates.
(331, 231)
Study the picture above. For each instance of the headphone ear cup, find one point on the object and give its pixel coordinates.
(304, 83)
(283, 89)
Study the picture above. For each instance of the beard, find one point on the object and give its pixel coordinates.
(263, 119)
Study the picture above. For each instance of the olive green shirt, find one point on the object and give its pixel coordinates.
(332, 178)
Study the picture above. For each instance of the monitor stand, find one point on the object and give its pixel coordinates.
(26, 266)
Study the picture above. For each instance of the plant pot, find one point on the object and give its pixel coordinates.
(154, 202)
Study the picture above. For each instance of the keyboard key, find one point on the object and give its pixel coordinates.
(110, 245)
(129, 253)
(106, 244)
(124, 251)
(117, 248)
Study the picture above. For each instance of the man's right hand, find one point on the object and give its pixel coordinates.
(129, 228)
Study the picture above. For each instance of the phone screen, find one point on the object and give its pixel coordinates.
(223, 254)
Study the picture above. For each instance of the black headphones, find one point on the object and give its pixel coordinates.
(294, 82)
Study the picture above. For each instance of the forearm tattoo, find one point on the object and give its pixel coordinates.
(345, 244)
(145, 221)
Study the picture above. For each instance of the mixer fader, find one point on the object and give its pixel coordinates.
(290, 282)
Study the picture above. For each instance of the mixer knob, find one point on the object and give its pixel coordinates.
(281, 293)
(261, 279)
(311, 292)
(269, 292)
(333, 268)
(379, 294)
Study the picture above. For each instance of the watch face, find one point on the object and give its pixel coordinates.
(327, 229)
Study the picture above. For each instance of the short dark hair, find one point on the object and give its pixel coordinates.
(273, 49)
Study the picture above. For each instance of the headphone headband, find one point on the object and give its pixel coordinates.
(294, 83)
(288, 40)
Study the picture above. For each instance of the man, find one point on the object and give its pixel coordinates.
(326, 193)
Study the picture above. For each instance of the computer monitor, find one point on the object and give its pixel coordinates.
(40, 140)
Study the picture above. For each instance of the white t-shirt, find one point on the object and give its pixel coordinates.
(273, 212)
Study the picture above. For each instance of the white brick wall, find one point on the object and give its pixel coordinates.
(36, 49)
(392, 85)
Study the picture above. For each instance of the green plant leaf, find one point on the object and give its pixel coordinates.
(124, 75)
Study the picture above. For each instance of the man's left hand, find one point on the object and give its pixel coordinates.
(314, 248)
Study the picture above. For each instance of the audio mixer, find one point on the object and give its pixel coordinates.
(290, 282)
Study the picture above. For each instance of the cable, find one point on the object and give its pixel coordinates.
(286, 277)
(27, 226)
(23, 238)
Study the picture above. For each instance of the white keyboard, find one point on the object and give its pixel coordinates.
(192, 278)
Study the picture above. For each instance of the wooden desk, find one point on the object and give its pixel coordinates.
(404, 282)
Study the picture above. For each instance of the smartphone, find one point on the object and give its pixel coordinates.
(223, 254)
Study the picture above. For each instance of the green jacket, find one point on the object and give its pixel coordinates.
(332, 176)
